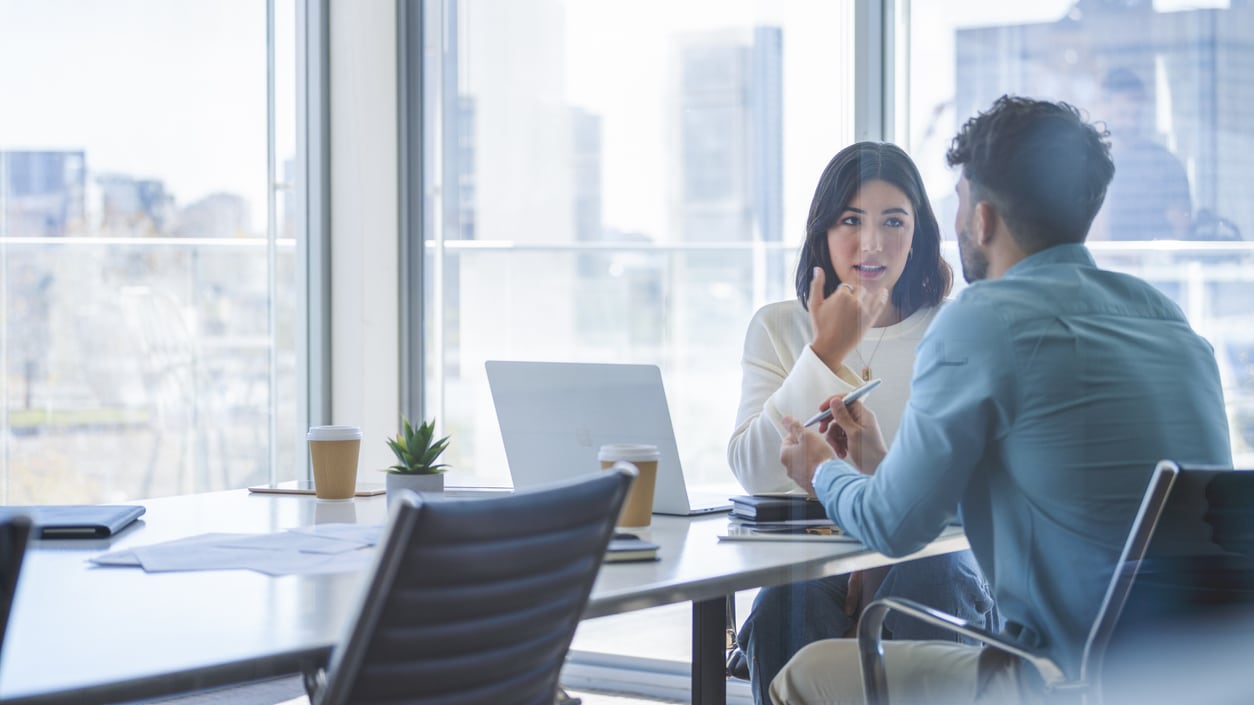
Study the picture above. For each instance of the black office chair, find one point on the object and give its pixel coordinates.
(475, 601)
(1184, 635)
(1086, 687)
(14, 536)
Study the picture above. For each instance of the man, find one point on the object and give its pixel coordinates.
(1149, 195)
(1042, 398)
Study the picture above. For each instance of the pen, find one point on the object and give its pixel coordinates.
(850, 398)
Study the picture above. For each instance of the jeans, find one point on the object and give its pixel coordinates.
(787, 617)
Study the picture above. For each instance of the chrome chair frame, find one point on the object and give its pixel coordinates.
(870, 627)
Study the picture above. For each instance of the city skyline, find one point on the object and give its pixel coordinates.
(186, 107)
(54, 193)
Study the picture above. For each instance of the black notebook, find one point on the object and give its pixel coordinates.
(777, 507)
(625, 547)
(77, 521)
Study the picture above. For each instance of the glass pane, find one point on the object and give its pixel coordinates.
(1170, 81)
(621, 182)
(135, 339)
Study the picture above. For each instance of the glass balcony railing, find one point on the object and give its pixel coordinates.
(136, 367)
(686, 307)
(141, 367)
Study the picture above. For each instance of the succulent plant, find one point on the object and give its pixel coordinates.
(415, 452)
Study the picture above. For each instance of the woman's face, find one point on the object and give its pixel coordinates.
(871, 239)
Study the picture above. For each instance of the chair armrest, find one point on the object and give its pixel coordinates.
(871, 648)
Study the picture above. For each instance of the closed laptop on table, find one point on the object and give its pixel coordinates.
(77, 521)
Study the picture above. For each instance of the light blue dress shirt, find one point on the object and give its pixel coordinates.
(1040, 404)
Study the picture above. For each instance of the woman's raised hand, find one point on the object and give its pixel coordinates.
(840, 320)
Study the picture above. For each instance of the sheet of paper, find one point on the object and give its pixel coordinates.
(295, 541)
(127, 557)
(163, 557)
(365, 533)
(327, 548)
(313, 563)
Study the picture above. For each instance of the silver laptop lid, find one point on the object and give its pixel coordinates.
(554, 416)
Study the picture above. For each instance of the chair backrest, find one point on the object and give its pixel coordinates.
(1185, 631)
(1155, 500)
(476, 600)
(14, 535)
(1200, 562)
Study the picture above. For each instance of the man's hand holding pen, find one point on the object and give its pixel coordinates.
(852, 433)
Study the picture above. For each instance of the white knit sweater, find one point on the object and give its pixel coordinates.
(783, 377)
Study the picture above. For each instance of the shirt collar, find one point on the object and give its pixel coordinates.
(1058, 254)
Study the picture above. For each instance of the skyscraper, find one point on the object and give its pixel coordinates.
(728, 142)
(44, 192)
(729, 135)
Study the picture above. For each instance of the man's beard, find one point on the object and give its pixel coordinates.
(974, 263)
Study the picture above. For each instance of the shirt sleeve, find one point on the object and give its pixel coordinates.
(961, 404)
(775, 385)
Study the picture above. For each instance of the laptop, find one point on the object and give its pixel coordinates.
(554, 416)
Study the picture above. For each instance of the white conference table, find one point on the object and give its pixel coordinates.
(85, 634)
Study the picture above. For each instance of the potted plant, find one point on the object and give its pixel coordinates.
(416, 454)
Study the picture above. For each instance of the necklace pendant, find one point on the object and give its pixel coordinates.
(866, 374)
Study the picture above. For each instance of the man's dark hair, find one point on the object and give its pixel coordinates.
(1039, 164)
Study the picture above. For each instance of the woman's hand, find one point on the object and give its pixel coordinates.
(854, 433)
(840, 320)
(801, 453)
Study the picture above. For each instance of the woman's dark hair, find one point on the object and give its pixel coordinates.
(1039, 164)
(926, 278)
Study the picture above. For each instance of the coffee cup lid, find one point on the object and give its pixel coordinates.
(334, 433)
(628, 452)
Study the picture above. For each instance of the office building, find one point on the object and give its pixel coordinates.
(126, 205)
(215, 215)
(587, 157)
(44, 192)
(728, 136)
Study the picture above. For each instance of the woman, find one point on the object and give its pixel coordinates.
(869, 281)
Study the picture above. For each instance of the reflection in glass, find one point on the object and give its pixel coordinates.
(1171, 82)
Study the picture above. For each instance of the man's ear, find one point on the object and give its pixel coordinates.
(984, 223)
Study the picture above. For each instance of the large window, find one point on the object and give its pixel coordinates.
(147, 303)
(1172, 82)
(627, 182)
(619, 182)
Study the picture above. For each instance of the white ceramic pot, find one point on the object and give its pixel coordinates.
(416, 483)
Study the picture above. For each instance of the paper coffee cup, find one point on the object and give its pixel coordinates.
(334, 451)
(638, 509)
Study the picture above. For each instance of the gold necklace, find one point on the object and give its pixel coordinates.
(866, 364)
